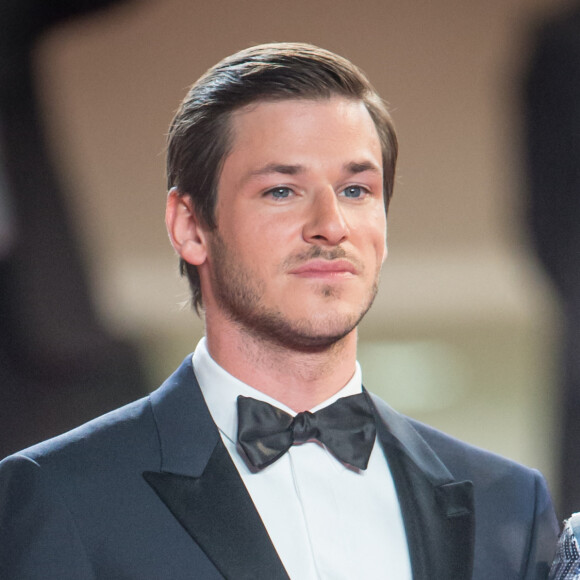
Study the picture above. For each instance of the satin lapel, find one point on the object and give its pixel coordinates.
(437, 510)
(218, 513)
(201, 487)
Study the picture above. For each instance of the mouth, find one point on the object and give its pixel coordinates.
(326, 269)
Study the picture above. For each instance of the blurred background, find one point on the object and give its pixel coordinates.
(470, 327)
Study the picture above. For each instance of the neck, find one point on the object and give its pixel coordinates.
(300, 379)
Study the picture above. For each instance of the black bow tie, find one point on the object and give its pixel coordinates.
(347, 428)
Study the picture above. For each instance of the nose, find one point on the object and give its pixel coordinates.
(325, 224)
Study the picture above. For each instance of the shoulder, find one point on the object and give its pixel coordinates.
(123, 440)
(498, 482)
(488, 471)
(463, 456)
(63, 500)
(80, 475)
(126, 424)
(100, 454)
(463, 460)
(514, 514)
(512, 501)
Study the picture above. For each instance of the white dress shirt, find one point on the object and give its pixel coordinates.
(326, 521)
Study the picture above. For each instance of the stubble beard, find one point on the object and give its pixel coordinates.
(239, 294)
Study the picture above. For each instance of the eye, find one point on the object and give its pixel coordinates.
(279, 192)
(354, 191)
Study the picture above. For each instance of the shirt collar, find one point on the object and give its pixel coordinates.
(220, 390)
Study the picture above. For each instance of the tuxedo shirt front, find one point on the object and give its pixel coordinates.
(325, 519)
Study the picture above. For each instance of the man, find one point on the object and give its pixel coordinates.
(263, 456)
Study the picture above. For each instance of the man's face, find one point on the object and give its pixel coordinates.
(301, 225)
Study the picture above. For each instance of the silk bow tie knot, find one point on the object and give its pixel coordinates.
(347, 429)
(304, 427)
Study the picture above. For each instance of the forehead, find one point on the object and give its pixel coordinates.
(303, 129)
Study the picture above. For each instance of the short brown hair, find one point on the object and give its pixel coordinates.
(199, 135)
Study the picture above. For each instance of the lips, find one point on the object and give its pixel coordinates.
(325, 269)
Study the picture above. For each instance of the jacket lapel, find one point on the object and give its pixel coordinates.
(201, 486)
(437, 510)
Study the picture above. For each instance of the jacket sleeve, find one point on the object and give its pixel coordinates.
(38, 535)
(544, 534)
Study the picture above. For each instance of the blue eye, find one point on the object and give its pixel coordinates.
(280, 192)
(354, 191)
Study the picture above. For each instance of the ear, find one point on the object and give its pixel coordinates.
(187, 235)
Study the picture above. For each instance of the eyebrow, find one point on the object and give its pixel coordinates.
(277, 168)
(360, 167)
(352, 167)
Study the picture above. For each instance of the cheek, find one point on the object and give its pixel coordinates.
(275, 236)
(375, 231)
(257, 253)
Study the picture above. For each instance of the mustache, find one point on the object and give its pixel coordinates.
(319, 252)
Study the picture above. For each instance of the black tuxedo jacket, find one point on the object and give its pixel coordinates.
(150, 492)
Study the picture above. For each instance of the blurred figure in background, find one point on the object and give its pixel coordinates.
(567, 561)
(58, 365)
(552, 93)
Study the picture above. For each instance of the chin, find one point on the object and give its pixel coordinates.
(304, 334)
